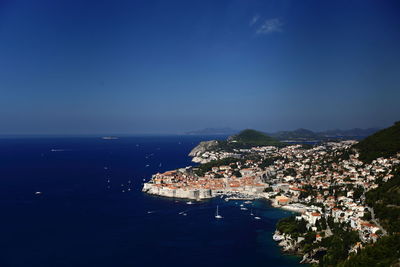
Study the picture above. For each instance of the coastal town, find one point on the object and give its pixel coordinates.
(320, 183)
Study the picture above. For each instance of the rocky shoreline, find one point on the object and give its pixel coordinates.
(291, 246)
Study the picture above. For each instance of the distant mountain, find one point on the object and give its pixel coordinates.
(299, 134)
(304, 134)
(213, 131)
(349, 133)
(384, 143)
(250, 137)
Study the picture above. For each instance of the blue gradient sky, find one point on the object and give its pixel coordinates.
(84, 67)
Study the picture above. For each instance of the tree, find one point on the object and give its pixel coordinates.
(323, 223)
(367, 216)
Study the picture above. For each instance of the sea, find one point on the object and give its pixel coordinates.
(77, 201)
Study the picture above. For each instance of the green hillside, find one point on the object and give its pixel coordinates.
(385, 252)
(385, 200)
(384, 143)
(250, 137)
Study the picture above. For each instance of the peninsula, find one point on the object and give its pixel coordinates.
(229, 168)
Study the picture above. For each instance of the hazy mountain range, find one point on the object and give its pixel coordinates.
(298, 134)
(214, 131)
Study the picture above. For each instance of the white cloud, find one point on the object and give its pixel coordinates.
(270, 26)
(254, 20)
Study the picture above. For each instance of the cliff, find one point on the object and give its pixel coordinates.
(203, 147)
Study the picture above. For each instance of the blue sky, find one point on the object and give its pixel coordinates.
(87, 67)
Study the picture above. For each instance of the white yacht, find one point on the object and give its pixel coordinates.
(217, 216)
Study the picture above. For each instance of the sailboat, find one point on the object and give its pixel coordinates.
(217, 216)
(256, 217)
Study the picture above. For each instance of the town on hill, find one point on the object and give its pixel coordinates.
(346, 193)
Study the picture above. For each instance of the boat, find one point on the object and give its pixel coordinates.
(257, 218)
(183, 213)
(247, 202)
(189, 202)
(38, 193)
(217, 216)
(251, 212)
(243, 208)
(56, 150)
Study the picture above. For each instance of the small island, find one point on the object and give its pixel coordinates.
(109, 137)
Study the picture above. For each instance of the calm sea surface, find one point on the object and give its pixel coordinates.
(81, 219)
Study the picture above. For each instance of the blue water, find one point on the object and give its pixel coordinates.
(79, 221)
